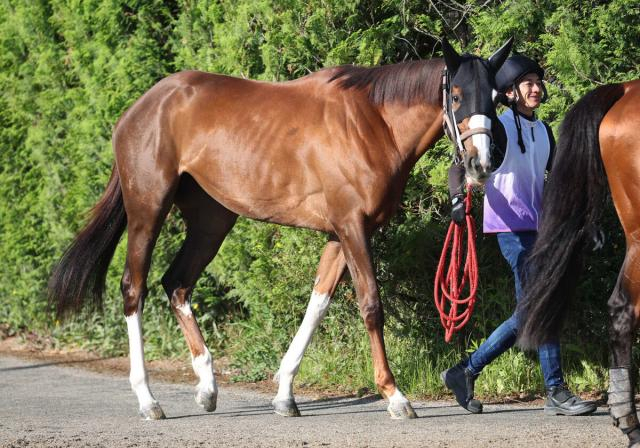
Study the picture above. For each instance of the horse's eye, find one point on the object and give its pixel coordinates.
(455, 98)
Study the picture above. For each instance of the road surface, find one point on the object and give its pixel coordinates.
(48, 404)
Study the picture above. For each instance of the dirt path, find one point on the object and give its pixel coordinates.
(47, 403)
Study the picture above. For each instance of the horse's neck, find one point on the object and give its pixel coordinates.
(414, 128)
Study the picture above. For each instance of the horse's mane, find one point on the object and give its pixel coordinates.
(407, 82)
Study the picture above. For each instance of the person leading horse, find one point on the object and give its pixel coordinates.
(512, 209)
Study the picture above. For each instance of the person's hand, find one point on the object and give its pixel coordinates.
(458, 209)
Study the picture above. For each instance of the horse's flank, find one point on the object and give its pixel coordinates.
(620, 162)
(280, 152)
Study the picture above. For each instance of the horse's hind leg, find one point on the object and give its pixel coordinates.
(208, 223)
(144, 221)
(332, 266)
(624, 309)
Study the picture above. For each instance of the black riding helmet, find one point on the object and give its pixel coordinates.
(515, 68)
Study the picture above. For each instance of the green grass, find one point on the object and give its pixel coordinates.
(337, 362)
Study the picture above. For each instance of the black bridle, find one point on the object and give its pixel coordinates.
(450, 123)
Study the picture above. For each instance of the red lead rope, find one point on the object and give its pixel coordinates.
(448, 287)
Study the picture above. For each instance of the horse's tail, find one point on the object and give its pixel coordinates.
(572, 205)
(82, 270)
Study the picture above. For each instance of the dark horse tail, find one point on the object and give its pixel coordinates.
(572, 205)
(82, 271)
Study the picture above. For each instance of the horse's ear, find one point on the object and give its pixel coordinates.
(497, 59)
(451, 57)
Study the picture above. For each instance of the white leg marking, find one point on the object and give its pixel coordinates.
(203, 367)
(316, 310)
(138, 376)
(400, 407)
(185, 309)
(397, 397)
(481, 141)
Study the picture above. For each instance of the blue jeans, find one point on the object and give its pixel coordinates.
(515, 247)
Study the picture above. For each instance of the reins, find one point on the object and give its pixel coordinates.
(454, 310)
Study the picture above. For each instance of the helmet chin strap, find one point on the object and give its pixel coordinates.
(516, 117)
(513, 103)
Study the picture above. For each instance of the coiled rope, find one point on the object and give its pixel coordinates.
(455, 311)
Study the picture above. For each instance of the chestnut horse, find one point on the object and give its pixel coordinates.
(331, 151)
(598, 143)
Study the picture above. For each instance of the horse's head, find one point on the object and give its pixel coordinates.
(470, 99)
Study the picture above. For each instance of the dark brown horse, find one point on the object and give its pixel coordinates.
(598, 143)
(331, 151)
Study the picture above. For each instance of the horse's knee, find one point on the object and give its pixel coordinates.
(180, 300)
(372, 314)
(179, 296)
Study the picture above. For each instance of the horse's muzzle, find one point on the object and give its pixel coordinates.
(476, 173)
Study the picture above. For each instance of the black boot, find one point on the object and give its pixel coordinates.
(560, 401)
(460, 381)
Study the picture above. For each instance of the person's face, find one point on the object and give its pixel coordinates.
(529, 91)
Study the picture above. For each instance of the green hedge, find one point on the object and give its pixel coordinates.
(68, 69)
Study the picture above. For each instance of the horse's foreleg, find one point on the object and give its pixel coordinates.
(355, 245)
(330, 270)
(207, 226)
(623, 313)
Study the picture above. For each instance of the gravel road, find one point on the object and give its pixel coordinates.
(45, 404)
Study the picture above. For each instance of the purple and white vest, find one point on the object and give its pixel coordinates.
(513, 193)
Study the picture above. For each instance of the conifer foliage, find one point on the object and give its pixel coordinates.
(69, 68)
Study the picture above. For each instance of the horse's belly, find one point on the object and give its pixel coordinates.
(258, 201)
(297, 212)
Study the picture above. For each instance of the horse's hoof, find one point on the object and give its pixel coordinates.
(286, 408)
(207, 400)
(401, 410)
(153, 413)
